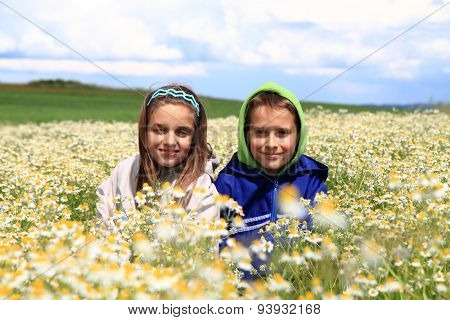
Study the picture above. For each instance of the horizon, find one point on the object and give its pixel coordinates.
(98, 86)
(230, 48)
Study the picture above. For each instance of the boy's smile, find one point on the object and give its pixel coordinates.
(272, 137)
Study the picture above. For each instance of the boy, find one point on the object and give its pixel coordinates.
(271, 141)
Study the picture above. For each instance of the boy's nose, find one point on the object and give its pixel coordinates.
(271, 140)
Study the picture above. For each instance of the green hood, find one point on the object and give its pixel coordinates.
(244, 154)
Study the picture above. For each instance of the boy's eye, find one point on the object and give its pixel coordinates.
(260, 132)
(282, 133)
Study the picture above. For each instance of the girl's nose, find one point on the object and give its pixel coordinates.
(170, 138)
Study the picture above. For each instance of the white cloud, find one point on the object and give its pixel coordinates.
(129, 68)
(339, 15)
(297, 37)
(34, 42)
(6, 43)
(98, 29)
(314, 71)
(446, 70)
(310, 48)
(436, 48)
(249, 34)
(355, 88)
(277, 45)
(276, 53)
(402, 69)
(341, 34)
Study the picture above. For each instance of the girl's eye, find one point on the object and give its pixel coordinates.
(159, 130)
(283, 133)
(183, 132)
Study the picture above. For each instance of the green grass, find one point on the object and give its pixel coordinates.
(54, 100)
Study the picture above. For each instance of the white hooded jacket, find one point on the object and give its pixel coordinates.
(123, 182)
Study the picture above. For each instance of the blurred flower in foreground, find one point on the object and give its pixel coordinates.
(390, 285)
(316, 285)
(222, 201)
(177, 192)
(237, 253)
(140, 198)
(166, 230)
(289, 202)
(440, 287)
(238, 222)
(327, 215)
(329, 248)
(372, 253)
(143, 246)
(394, 183)
(261, 246)
(277, 283)
(430, 188)
(294, 257)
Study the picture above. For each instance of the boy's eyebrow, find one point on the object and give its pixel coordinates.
(270, 127)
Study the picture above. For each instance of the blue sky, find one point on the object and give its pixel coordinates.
(228, 48)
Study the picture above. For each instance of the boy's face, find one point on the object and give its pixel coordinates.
(272, 137)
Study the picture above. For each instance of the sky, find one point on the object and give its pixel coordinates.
(229, 48)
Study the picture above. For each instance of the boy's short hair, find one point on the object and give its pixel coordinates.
(272, 100)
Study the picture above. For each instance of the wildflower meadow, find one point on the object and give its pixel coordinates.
(381, 233)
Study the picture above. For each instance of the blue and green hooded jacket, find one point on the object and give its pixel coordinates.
(244, 180)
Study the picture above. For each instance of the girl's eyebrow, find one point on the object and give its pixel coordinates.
(158, 125)
(177, 128)
(185, 128)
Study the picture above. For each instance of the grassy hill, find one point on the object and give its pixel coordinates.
(56, 100)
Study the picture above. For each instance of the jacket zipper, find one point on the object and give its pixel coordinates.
(273, 216)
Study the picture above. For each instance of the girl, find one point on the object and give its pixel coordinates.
(172, 148)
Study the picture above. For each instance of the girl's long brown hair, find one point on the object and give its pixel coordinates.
(195, 162)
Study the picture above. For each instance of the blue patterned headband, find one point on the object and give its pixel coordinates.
(177, 94)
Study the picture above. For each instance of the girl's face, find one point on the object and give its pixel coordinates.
(272, 137)
(170, 133)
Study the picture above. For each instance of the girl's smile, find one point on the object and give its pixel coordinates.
(168, 153)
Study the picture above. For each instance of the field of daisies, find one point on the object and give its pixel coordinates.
(381, 233)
